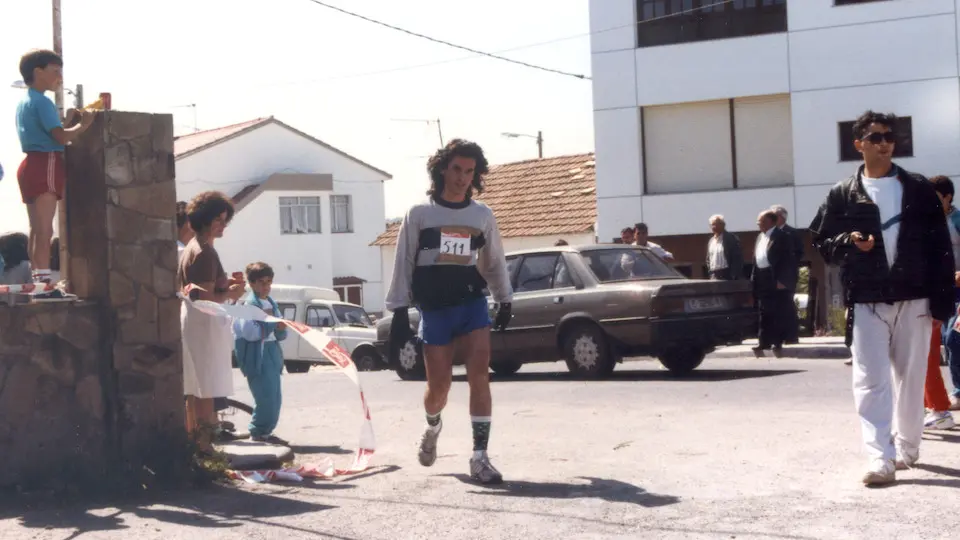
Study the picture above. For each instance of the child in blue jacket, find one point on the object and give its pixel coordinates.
(259, 355)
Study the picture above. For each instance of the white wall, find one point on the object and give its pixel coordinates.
(388, 253)
(254, 235)
(254, 156)
(833, 65)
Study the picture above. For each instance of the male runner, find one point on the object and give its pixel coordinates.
(448, 252)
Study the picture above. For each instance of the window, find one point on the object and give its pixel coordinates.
(319, 317)
(536, 273)
(716, 145)
(288, 311)
(625, 264)
(904, 147)
(341, 216)
(299, 215)
(562, 278)
(666, 22)
(352, 315)
(350, 293)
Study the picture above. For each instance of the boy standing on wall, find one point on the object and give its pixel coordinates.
(42, 138)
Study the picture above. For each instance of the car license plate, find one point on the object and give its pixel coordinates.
(705, 303)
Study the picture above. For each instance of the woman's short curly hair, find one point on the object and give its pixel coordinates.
(206, 207)
(441, 160)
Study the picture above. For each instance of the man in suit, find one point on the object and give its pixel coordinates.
(724, 257)
(792, 330)
(774, 276)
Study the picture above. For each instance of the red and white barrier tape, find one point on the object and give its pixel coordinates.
(323, 470)
(333, 352)
(27, 288)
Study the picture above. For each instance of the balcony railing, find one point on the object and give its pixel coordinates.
(668, 22)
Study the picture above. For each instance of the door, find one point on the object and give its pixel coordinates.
(321, 317)
(291, 345)
(537, 307)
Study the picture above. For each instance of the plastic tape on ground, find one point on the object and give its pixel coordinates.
(329, 349)
(29, 288)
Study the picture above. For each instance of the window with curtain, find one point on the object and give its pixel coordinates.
(300, 215)
(341, 218)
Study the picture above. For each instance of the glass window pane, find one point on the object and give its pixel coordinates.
(309, 200)
(536, 273)
(287, 201)
(286, 219)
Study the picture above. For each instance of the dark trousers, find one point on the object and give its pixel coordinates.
(773, 319)
(791, 321)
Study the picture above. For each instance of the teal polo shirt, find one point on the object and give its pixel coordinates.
(37, 117)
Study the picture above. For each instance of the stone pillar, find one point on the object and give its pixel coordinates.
(123, 256)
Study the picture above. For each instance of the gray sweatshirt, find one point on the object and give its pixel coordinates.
(446, 255)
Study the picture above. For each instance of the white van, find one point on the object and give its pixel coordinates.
(348, 324)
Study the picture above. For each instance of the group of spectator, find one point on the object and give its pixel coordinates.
(15, 267)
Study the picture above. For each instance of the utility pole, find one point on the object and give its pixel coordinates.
(539, 138)
(60, 224)
(540, 143)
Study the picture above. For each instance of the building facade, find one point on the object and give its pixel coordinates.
(706, 107)
(304, 207)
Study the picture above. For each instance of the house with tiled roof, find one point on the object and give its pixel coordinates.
(308, 209)
(536, 202)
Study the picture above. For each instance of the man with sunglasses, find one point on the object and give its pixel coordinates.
(885, 228)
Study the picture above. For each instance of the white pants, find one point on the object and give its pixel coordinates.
(890, 346)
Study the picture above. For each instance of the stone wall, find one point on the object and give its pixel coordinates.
(122, 251)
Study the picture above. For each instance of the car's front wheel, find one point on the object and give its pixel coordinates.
(409, 363)
(366, 359)
(682, 360)
(586, 352)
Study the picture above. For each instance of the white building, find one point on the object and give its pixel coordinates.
(536, 203)
(708, 107)
(304, 207)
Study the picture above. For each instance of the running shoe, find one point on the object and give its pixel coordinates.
(938, 421)
(428, 445)
(880, 471)
(906, 458)
(484, 472)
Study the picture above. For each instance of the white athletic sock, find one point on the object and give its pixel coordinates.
(479, 454)
(434, 423)
(41, 276)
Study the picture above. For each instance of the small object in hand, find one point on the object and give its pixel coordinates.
(237, 276)
(95, 106)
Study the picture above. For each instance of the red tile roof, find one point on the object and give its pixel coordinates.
(194, 142)
(537, 197)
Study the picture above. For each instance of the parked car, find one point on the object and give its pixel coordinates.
(592, 306)
(347, 324)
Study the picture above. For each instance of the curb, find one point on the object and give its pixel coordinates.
(839, 352)
(249, 455)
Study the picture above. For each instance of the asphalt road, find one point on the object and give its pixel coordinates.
(743, 449)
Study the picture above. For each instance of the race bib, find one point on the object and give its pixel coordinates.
(455, 246)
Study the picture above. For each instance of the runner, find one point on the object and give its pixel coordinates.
(448, 250)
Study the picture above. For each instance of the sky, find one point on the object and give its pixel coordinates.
(343, 80)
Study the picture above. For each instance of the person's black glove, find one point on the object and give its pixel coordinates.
(504, 314)
(400, 331)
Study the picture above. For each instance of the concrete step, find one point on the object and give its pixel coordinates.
(253, 455)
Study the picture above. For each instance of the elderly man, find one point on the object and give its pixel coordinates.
(724, 256)
(792, 322)
(773, 279)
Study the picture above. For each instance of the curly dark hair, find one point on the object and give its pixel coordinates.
(257, 271)
(181, 214)
(862, 123)
(441, 160)
(13, 249)
(206, 207)
(37, 59)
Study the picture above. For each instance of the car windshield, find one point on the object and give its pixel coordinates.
(352, 315)
(627, 264)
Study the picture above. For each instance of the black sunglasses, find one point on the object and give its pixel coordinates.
(877, 138)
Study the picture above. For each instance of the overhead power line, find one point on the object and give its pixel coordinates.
(447, 43)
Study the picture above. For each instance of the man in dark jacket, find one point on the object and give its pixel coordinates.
(791, 320)
(724, 257)
(885, 228)
(773, 279)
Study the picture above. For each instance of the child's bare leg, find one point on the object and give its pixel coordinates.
(41, 213)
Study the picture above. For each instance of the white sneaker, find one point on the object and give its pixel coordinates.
(938, 421)
(906, 458)
(880, 471)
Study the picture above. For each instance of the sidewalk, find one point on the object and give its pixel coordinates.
(814, 347)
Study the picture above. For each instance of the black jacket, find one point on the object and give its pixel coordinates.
(924, 264)
(731, 252)
(783, 265)
(796, 238)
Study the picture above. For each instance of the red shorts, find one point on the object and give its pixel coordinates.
(41, 172)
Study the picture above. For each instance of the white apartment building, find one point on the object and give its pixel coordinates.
(706, 107)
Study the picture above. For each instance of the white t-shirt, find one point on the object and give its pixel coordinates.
(887, 194)
(662, 253)
(715, 254)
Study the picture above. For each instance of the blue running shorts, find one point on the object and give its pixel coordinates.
(441, 326)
